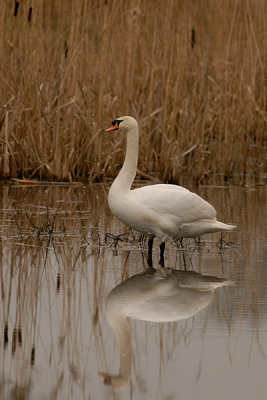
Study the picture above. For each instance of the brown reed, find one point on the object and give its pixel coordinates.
(192, 73)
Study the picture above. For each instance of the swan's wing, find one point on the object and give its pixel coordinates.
(174, 200)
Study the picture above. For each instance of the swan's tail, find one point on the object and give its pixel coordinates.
(216, 226)
(225, 227)
(202, 227)
(209, 284)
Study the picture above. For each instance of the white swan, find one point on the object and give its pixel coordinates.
(158, 296)
(162, 211)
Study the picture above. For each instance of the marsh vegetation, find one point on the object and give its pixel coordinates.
(192, 73)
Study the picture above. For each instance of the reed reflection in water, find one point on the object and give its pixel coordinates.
(62, 253)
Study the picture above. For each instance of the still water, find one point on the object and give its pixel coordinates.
(190, 337)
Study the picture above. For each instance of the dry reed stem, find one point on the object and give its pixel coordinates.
(6, 156)
(74, 67)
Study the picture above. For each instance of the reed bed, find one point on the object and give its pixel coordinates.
(192, 73)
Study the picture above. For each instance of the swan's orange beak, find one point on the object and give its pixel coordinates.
(107, 379)
(113, 128)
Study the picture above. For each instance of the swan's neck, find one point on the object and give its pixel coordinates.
(126, 176)
(121, 328)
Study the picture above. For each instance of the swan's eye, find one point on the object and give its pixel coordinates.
(116, 122)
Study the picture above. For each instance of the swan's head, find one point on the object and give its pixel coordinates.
(106, 378)
(116, 382)
(123, 123)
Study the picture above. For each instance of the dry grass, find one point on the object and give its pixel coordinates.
(192, 73)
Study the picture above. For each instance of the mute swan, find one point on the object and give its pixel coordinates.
(162, 295)
(163, 211)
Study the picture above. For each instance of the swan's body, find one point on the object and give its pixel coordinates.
(162, 211)
(159, 296)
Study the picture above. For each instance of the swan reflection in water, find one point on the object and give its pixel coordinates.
(162, 295)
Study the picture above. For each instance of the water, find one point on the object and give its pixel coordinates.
(62, 252)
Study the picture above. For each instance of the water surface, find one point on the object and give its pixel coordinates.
(62, 252)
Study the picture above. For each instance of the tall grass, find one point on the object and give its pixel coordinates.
(192, 73)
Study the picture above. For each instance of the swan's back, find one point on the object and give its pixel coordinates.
(174, 200)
